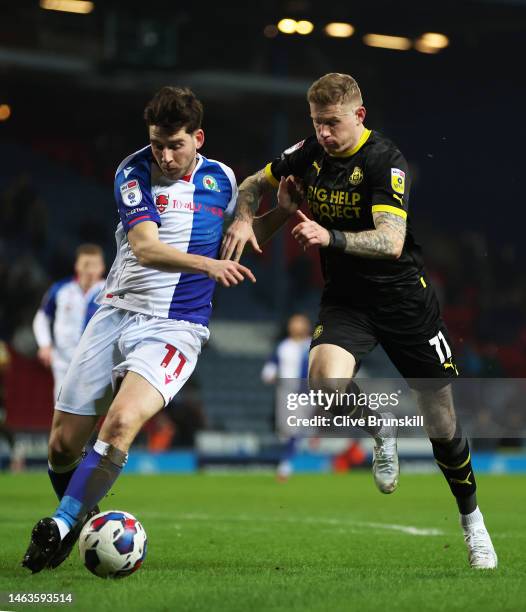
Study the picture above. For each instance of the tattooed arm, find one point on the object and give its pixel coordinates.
(250, 192)
(240, 231)
(386, 241)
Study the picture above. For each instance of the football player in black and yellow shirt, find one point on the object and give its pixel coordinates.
(357, 184)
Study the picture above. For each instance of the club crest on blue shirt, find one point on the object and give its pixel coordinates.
(131, 193)
(209, 182)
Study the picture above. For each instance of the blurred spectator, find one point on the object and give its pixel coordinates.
(65, 311)
(287, 368)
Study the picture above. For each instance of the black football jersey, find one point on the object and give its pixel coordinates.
(342, 193)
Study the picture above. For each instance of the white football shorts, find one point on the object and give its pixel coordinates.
(116, 341)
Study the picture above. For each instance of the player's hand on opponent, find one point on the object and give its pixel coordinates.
(290, 194)
(44, 356)
(229, 273)
(309, 233)
(238, 234)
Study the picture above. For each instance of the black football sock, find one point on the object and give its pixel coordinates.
(61, 475)
(454, 459)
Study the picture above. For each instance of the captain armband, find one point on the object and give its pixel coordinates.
(337, 240)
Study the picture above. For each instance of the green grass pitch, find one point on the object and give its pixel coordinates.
(319, 542)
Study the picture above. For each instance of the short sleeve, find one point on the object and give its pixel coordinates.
(390, 183)
(49, 301)
(295, 160)
(133, 192)
(231, 204)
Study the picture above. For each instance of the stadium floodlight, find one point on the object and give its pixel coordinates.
(82, 7)
(339, 29)
(431, 42)
(396, 43)
(287, 26)
(5, 112)
(304, 27)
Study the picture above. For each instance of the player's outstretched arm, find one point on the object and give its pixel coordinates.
(153, 253)
(241, 231)
(386, 241)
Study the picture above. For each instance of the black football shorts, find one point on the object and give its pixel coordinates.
(411, 331)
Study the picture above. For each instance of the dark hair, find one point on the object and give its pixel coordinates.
(173, 108)
(89, 249)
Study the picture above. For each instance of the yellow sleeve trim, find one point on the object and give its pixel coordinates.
(389, 209)
(270, 177)
(424, 284)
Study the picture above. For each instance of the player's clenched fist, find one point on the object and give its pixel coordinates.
(229, 273)
(309, 233)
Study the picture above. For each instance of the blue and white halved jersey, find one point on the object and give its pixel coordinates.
(190, 214)
(64, 313)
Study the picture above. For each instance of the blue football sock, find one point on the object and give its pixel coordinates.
(60, 476)
(91, 481)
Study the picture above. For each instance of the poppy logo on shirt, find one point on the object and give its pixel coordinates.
(161, 201)
(131, 193)
(209, 182)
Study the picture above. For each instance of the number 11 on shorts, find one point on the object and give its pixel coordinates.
(171, 352)
(435, 341)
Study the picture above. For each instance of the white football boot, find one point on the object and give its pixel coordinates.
(481, 553)
(386, 468)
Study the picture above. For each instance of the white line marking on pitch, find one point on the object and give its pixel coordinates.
(407, 529)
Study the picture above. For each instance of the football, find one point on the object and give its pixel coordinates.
(113, 544)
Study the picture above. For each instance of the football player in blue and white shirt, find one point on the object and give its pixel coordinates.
(288, 368)
(154, 312)
(66, 309)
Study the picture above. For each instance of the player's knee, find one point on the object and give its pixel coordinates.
(319, 380)
(321, 377)
(446, 431)
(61, 450)
(319, 374)
(331, 367)
(439, 414)
(122, 421)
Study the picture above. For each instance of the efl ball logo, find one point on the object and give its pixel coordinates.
(161, 201)
(209, 182)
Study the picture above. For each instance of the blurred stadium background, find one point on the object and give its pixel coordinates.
(73, 86)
